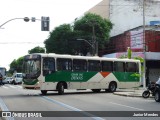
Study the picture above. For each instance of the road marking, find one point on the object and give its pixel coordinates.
(12, 86)
(5, 87)
(126, 106)
(19, 86)
(71, 108)
(4, 108)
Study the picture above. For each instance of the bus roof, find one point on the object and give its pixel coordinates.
(84, 57)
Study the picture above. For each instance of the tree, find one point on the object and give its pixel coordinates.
(63, 39)
(60, 40)
(13, 66)
(16, 65)
(37, 50)
(93, 25)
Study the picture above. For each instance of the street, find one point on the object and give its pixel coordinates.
(14, 98)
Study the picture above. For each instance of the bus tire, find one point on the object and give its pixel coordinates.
(44, 92)
(157, 96)
(96, 90)
(60, 89)
(112, 87)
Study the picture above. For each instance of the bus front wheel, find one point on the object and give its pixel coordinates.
(44, 92)
(60, 88)
(112, 87)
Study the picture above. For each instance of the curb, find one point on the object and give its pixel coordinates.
(128, 95)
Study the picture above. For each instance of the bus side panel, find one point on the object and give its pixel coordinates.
(68, 76)
(109, 78)
(126, 80)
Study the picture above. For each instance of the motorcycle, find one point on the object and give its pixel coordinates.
(157, 91)
(150, 90)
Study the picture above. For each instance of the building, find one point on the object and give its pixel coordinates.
(129, 18)
(101, 9)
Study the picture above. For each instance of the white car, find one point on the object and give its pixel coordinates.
(17, 78)
(8, 80)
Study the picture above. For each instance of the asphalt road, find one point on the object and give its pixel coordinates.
(80, 104)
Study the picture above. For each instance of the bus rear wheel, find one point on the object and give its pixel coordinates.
(96, 90)
(44, 92)
(60, 88)
(112, 87)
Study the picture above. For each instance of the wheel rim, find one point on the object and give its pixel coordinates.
(61, 89)
(146, 94)
(112, 87)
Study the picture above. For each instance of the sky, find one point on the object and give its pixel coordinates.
(17, 36)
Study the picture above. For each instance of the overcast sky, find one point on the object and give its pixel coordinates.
(17, 37)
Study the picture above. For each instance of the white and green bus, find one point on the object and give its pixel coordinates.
(55, 72)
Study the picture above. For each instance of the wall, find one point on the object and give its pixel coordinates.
(101, 9)
(128, 14)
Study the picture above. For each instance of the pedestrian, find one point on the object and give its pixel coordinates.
(1, 77)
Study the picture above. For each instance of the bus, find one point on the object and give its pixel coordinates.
(55, 72)
(3, 71)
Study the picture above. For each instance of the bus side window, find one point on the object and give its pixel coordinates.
(64, 64)
(94, 65)
(79, 65)
(48, 66)
(131, 67)
(107, 66)
(119, 66)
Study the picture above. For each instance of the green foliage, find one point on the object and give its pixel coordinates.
(88, 21)
(37, 50)
(139, 58)
(91, 24)
(58, 40)
(16, 65)
(136, 75)
(63, 39)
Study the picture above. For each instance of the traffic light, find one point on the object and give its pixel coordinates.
(33, 19)
(26, 19)
(44, 23)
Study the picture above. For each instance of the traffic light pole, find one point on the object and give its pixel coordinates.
(9, 21)
(44, 22)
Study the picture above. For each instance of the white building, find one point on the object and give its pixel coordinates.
(127, 14)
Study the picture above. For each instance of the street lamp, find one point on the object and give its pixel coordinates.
(25, 19)
(93, 46)
(44, 22)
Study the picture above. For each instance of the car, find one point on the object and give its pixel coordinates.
(7, 80)
(17, 78)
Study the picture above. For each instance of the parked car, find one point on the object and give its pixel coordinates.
(7, 80)
(17, 78)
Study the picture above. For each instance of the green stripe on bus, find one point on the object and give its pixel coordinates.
(69, 76)
(126, 77)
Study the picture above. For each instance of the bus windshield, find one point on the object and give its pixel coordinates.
(32, 67)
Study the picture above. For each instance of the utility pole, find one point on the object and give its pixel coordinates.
(144, 47)
(94, 41)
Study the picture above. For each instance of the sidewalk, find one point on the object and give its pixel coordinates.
(136, 92)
